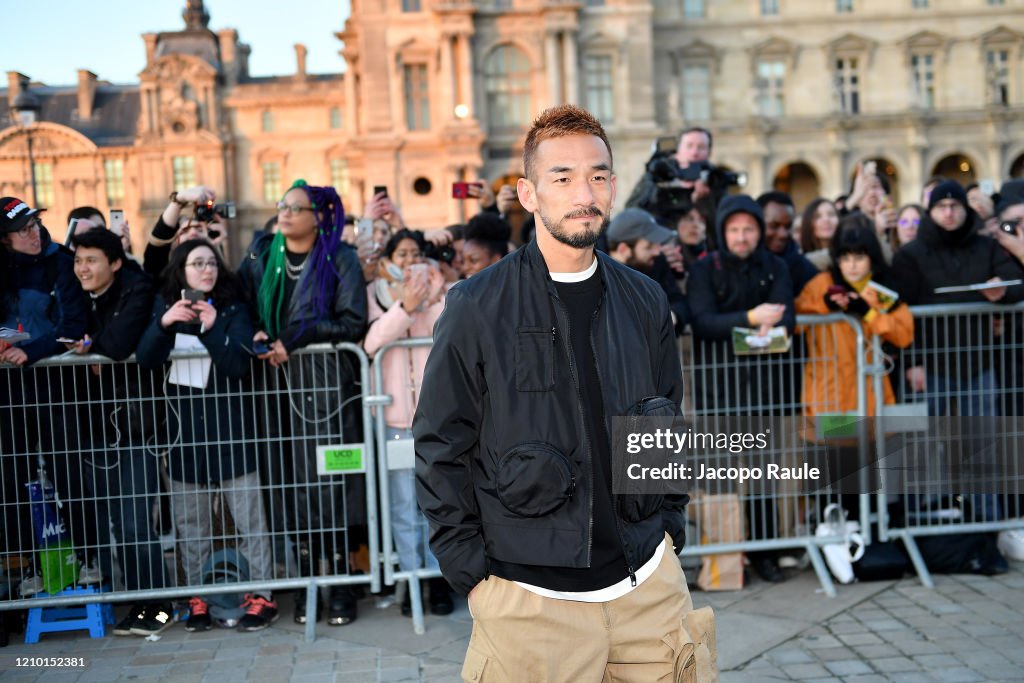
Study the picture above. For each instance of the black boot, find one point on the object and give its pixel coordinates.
(440, 597)
(342, 607)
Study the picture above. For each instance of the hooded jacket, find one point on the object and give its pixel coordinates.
(42, 294)
(943, 258)
(723, 287)
(503, 467)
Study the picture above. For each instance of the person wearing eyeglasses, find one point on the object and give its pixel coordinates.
(211, 422)
(40, 303)
(305, 286)
(178, 224)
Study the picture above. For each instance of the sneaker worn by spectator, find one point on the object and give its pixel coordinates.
(124, 627)
(89, 574)
(30, 586)
(259, 613)
(342, 608)
(300, 606)
(198, 616)
(153, 618)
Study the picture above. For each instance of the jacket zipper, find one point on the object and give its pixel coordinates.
(611, 494)
(583, 423)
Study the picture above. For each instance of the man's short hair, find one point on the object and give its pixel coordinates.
(104, 240)
(775, 197)
(81, 212)
(697, 129)
(557, 122)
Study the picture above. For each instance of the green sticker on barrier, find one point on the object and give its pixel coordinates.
(340, 459)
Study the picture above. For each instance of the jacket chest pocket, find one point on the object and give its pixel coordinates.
(535, 359)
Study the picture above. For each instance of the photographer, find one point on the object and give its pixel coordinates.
(177, 225)
(676, 182)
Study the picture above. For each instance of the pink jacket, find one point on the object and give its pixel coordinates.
(403, 368)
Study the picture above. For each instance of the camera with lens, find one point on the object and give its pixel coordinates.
(443, 253)
(668, 176)
(206, 211)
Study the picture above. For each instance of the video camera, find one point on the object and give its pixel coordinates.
(665, 172)
(205, 211)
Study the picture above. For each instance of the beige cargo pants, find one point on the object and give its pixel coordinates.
(519, 636)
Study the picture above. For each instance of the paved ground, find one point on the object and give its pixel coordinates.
(967, 629)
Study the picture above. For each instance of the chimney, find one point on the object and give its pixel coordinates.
(300, 60)
(16, 82)
(150, 40)
(228, 40)
(86, 93)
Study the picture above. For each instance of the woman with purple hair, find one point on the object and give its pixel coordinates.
(306, 287)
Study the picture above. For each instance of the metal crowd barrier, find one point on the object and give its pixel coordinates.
(123, 459)
(85, 418)
(395, 461)
(729, 393)
(965, 411)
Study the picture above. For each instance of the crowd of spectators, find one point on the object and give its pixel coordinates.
(313, 275)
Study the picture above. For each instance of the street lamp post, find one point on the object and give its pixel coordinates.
(27, 107)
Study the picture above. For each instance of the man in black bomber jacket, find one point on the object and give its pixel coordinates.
(532, 358)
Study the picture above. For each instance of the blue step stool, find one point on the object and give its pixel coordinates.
(93, 616)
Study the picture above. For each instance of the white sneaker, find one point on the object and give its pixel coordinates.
(88, 575)
(30, 586)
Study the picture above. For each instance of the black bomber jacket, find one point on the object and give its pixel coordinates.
(503, 466)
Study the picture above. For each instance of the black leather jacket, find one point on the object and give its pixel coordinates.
(347, 321)
(503, 466)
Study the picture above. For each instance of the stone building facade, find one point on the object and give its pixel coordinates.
(796, 92)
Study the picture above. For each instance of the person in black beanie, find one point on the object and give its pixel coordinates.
(949, 251)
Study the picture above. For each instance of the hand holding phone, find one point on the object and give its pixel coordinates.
(380, 190)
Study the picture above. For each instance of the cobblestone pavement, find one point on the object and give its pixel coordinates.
(967, 629)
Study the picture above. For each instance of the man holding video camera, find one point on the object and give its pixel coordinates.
(179, 223)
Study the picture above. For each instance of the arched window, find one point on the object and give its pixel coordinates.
(507, 84)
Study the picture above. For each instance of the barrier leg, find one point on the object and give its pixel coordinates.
(312, 593)
(821, 570)
(915, 556)
(416, 599)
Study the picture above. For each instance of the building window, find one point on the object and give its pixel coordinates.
(507, 85)
(267, 122)
(996, 3)
(594, 3)
(844, 6)
(771, 76)
(769, 8)
(920, 4)
(339, 177)
(923, 69)
(848, 84)
(693, 9)
(113, 170)
(997, 64)
(271, 182)
(184, 169)
(44, 185)
(696, 92)
(411, 5)
(502, 4)
(417, 100)
(597, 82)
(335, 118)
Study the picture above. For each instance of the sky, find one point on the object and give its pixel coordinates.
(104, 36)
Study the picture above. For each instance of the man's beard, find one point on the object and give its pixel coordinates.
(583, 239)
(644, 267)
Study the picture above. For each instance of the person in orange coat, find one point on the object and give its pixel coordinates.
(830, 375)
